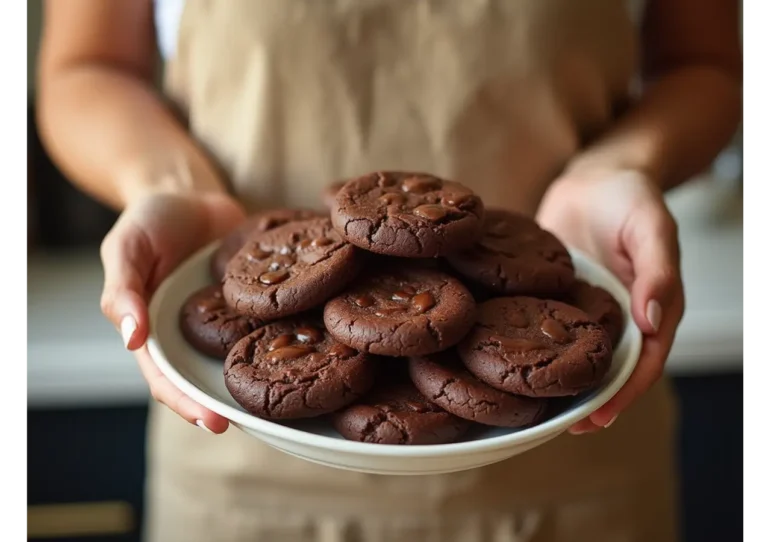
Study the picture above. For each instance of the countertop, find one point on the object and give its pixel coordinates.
(75, 357)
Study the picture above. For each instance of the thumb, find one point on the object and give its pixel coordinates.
(652, 246)
(127, 259)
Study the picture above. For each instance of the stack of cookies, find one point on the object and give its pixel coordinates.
(409, 315)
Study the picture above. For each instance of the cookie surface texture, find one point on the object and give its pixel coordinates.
(396, 413)
(536, 348)
(443, 380)
(210, 325)
(293, 369)
(600, 305)
(410, 215)
(515, 256)
(256, 223)
(401, 311)
(290, 269)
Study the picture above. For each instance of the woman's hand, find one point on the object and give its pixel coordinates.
(151, 238)
(620, 218)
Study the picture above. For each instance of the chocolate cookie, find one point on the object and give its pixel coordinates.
(600, 306)
(329, 194)
(536, 348)
(516, 257)
(406, 311)
(289, 269)
(443, 379)
(210, 326)
(412, 215)
(257, 223)
(396, 413)
(294, 369)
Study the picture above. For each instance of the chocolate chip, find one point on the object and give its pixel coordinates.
(284, 260)
(389, 311)
(416, 407)
(392, 198)
(341, 351)
(364, 301)
(281, 341)
(517, 345)
(258, 253)
(309, 335)
(273, 277)
(288, 353)
(322, 242)
(423, 302)
(209, 304)
(431, 212)
(401, 295)
(555, 330)
(457, 200)
(421, 185)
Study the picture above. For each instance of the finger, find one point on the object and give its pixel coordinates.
(650, 367)
(583, 427)
(654, 252)
(127, 260)
(163, 391)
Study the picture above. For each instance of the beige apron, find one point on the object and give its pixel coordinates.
(290, 95)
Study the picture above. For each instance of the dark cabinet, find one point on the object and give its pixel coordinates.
(92, 459)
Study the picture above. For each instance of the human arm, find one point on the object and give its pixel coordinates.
(691, 100)
(609, 199)
(111, 133)
(100, 116)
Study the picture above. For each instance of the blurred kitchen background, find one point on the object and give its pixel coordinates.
(87, 401)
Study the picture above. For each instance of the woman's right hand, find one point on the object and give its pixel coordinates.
(153, 235)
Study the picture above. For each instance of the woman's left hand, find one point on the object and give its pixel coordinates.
(620, 218)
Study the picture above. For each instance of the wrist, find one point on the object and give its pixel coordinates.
(580, 173)
(180, 174)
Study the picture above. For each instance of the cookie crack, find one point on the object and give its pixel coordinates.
(303, 385)
(382, 417)
(473, 403)
(327, 255)
(434, 332)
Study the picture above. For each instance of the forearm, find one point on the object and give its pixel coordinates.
(675, 130)
(111, 135)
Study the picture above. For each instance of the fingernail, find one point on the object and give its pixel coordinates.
(653, 313)
(201, 425)
(127, 328)
(610, 422)
(577, 431)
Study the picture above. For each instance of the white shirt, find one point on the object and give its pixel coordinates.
(167, 18)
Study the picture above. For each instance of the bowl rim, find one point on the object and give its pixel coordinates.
(558, 424)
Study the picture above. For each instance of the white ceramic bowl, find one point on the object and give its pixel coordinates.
(315, 440)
